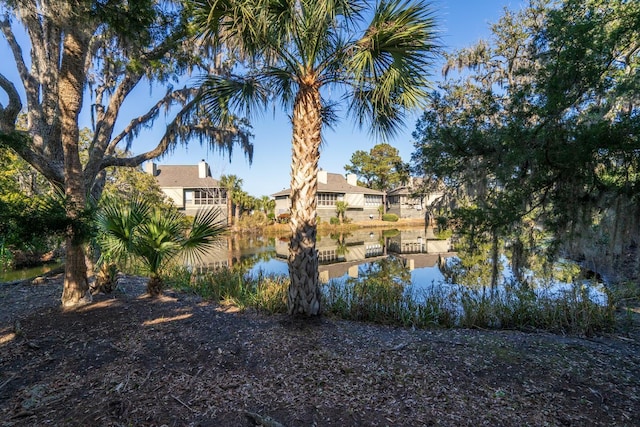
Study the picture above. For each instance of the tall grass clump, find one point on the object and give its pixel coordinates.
(510, 307)
(385, 302)
(570, 310)
(267, 293)
(377, 300)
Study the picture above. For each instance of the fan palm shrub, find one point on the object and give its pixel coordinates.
(136, 230)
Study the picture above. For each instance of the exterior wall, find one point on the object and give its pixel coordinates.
(407, 207)
(176, 195)
(354, 200)
(282, 205)
(179, 199)
(356, 209)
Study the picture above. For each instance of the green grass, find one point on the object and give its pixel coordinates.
(385, 302)
(266, 293)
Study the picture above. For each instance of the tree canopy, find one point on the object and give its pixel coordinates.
(543, 123)
(92, 55)
(381, 168)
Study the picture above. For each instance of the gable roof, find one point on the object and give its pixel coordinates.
(403, 190)
(336, 183)
(185, 176)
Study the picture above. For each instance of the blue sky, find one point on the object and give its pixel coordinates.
(461, 23)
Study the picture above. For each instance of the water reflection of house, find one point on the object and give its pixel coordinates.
(362, 203)
(190, 187)
(215, 258)
(417, 241)
(419, 248)
(341, 254)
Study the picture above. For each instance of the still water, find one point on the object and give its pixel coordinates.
(419, 257)
(26, 273)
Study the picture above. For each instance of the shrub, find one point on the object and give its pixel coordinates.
(334, 221)
(284, 218)
(390, 217)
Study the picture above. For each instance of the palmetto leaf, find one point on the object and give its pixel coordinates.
(221, 96)
(154, 236)
(207, 228)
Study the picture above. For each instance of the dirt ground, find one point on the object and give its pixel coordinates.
(129, 360)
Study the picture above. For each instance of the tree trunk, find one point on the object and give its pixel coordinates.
(238, 212)
(76, 285)
(229, 209)
(304, 290)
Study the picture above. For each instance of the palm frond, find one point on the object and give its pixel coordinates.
(118, 224)
(389, 64)
(205, 233)
(222, 96)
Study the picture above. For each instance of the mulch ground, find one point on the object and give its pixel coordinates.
(130, 360)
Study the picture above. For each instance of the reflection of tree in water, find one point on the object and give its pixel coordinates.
(380, 284)
(479, 260)
(389, 270)
(341, 242)
(239, 244)
(473, 267)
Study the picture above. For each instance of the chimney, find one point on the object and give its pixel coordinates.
(352, 179)
(151, 168)
(322, 177)
(203, 169)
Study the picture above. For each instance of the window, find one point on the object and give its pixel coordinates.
(327, 199)
(210, 196)
(374, 201)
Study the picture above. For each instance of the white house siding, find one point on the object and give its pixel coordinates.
(176, 195)
(354, 200)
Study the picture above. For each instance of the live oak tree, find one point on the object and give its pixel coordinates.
(373, 59)
(101, 51)
(381, 168)
(542, 127)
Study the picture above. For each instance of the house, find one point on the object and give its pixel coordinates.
(406, 203)
(362, 203)
(190, 187)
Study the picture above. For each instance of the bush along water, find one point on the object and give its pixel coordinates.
(383, 301)
(265, 293)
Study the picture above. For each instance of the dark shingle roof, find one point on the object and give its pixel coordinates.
(185, 176)
(336, 183)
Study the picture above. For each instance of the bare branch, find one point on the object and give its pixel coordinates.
(185, 126)
(9, 114)
(146, 120)
(27, 79)
(18, 141)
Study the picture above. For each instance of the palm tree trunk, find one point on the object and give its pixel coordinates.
(304, 290)
(238, 212)
(76, 285)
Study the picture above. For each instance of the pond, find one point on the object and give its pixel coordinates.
(27, 273)
(418, 258)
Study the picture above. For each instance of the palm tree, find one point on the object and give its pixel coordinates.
(295, 51)
(232, 184)
(155, 236)
(341, 210)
